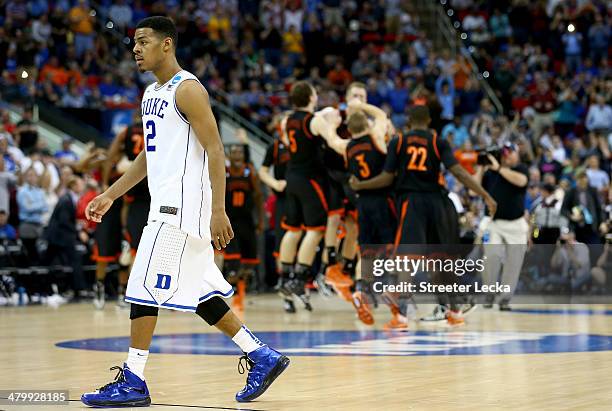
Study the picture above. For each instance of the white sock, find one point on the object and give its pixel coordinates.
(136, 361)
(245, 339)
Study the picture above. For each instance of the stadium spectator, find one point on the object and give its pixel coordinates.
(7, 231)
(571, 263)
(543, 102)
(548, 222)
(445, 91)
(339, 77)
(7, 181)
(82, 23)
(599, 116)
(32, 202)
(456, 133)
(74, 98)
(599, 37)
(572, 41)
(583, 208)
(598, 178)
(120, 14)
(66, 155)
(41, 29)
(62, 234)
(26, 133)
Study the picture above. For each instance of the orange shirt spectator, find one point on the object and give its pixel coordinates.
(462, 73)
(467, 159)
(54, 72)
(80, 20)
(339, 76)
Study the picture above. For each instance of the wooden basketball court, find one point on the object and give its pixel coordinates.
(549, 360)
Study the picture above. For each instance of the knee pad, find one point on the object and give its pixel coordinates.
(212, 310)
(137, 311)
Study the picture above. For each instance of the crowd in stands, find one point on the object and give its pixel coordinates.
(548, 62)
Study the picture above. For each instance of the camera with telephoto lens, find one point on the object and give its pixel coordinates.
(494, 150)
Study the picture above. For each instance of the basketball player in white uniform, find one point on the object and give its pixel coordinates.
(174, 267)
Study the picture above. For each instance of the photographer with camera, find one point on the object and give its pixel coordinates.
(505, 234)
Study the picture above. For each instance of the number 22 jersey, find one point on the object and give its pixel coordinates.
(416, 158)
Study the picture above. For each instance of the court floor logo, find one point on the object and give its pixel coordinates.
(367, 343)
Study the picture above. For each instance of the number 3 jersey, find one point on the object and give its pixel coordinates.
(177, 166)
(365, 160)
(416, 159)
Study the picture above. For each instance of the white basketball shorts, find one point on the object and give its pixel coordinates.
(174, 270)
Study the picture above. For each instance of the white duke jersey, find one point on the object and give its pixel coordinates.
(177, 168)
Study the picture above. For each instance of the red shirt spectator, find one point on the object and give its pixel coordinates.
(543, 101)
(339, 76)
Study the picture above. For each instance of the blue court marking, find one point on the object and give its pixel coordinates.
(561, 311)
(366, 343)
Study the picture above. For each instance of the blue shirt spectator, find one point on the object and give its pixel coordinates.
(398, 97)
(31, 200)
(108, 88)
(66, 152)
(445, 90)
(459, 132)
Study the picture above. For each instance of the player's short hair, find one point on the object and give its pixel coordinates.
(356, 84)
(161, 25)
(300, 94)
(419, 114)
(357, 122)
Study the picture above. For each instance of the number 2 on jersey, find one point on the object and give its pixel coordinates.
(417, 155)
(151, 135)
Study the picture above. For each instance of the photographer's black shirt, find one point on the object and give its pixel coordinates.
(510, 198)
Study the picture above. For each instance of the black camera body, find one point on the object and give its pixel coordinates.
(494, 150)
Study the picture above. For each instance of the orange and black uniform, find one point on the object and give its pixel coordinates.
(108, 234)
(240, 203)
(138, 197)
(377, 222)
(307, 180)
(277, 156)
(341, 198)
(426, 214)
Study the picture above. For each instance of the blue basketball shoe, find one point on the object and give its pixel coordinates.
(264, 366)
(128, 390)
